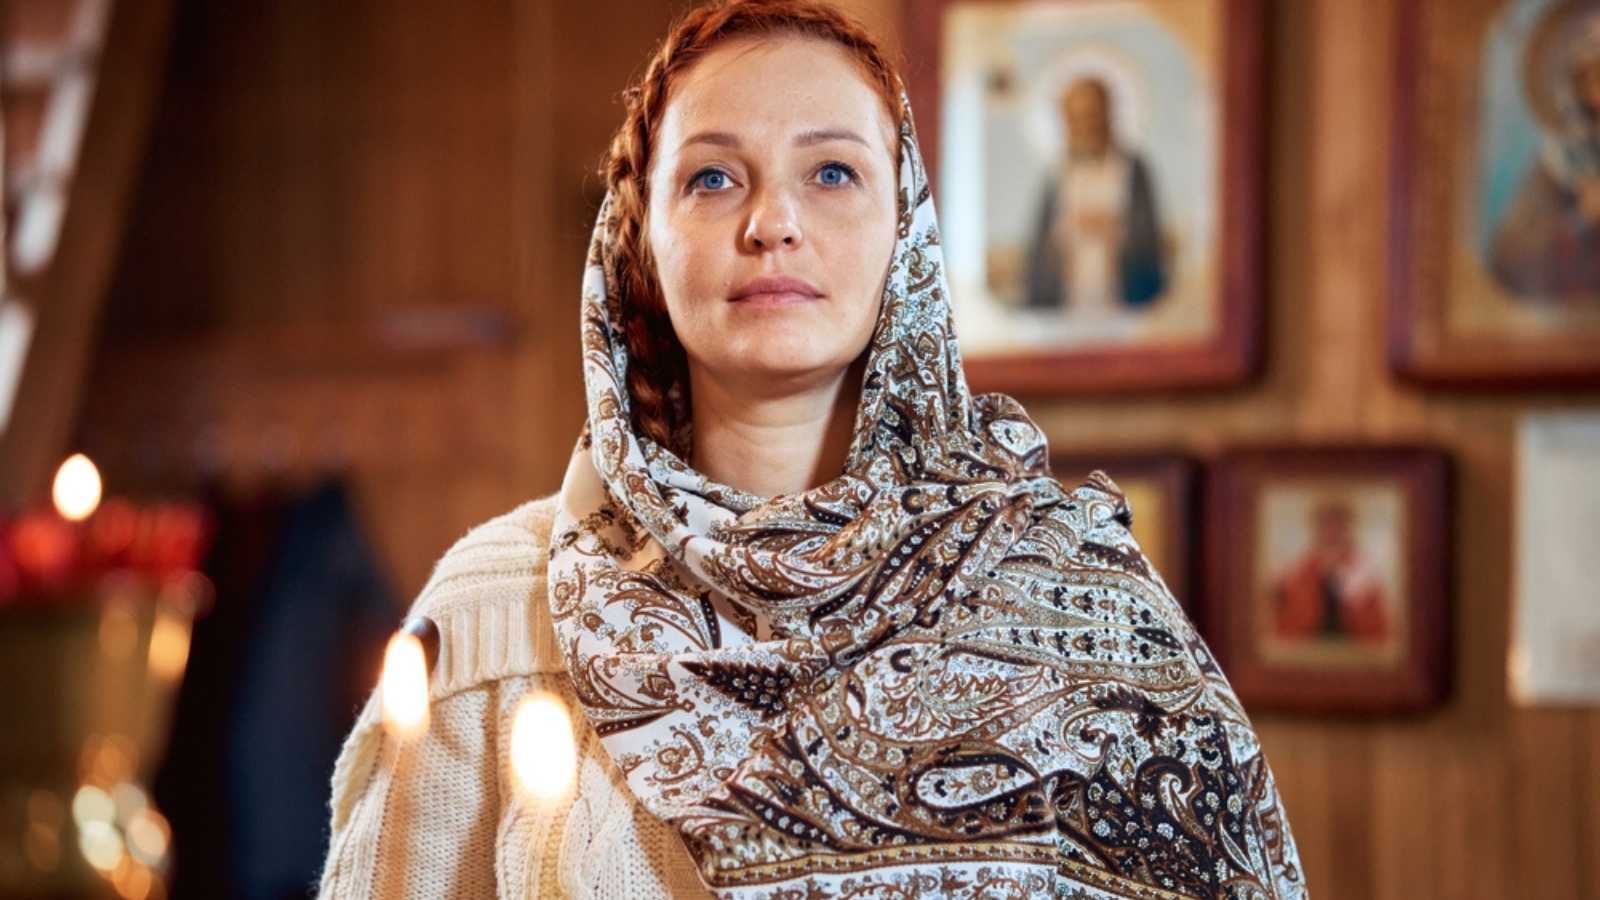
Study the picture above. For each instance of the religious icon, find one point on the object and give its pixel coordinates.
(1332, 573)
(1083, 151)
(1097, 247)
(1546, 242)
(1326, 572)
(1497, 208)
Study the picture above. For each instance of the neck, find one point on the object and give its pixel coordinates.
(784, 439)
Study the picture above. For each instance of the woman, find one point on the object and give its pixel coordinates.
(826, 624)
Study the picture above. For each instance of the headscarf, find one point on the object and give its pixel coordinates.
(938, 674)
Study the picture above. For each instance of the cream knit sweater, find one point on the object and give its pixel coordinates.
(439, 815)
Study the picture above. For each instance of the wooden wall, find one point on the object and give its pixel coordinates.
(317, 168)
(320, 176)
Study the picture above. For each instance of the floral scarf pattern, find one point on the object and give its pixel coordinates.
(939, 674)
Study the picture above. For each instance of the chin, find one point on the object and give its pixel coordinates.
(789, 367)
(789, 358)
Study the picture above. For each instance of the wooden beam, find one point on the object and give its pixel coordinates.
(69, 293)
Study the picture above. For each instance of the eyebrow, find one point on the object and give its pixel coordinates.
(804, 139)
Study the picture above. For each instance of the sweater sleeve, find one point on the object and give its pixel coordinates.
(439, 815)
(418, 818)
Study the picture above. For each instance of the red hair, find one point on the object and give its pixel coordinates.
(658, 382)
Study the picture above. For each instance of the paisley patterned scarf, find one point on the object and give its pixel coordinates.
(939, 674)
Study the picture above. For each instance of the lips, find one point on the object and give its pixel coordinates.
(779, 287)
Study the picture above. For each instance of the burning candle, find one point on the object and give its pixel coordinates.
(76, 490)
(403, 689)
(544, 755)
(169, 645)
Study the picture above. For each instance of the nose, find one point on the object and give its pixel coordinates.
(772, 223)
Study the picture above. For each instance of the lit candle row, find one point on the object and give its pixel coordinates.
(544, 755)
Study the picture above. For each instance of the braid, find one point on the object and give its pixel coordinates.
(658, 375)
(656, 358)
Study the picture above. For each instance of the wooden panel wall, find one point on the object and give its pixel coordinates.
(316, 169)
(315, 165)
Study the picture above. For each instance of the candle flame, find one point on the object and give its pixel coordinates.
(76, 490)
(100, 844)
(169, 645)
(91, 804)
(544, 755)
(404, 687)
(148, 835)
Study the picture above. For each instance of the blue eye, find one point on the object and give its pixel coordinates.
(843, 171)
(705, 178)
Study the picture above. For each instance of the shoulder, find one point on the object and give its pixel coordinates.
(1103, 499)
(508, 547)
(486, 597)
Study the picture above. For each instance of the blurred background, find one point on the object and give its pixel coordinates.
(300, 279)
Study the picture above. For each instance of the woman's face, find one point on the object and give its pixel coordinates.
(774, 159)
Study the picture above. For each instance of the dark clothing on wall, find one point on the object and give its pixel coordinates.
(276, 675)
